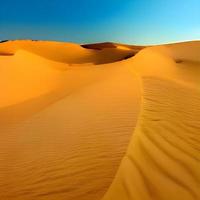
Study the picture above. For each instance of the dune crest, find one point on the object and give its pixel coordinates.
(162, 161)
(163, 158)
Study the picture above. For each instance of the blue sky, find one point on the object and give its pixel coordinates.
(87, 21)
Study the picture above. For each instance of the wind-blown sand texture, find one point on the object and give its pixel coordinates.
(99, 121)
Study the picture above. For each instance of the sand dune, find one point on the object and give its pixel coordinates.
(68, 53)
(162, 161)
(163, 158)
(69, 112)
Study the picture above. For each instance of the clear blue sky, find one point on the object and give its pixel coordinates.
(87, 21)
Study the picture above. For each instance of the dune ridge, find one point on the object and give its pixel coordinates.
(163, 161)
(70, 53)
(69, 112)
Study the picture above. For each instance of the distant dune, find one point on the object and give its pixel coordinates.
(100, 121)
(69, 53)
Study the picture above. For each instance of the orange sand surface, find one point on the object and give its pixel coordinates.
(99, 121)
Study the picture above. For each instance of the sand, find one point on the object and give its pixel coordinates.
(99, 121)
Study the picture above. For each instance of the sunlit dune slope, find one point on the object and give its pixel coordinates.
(64, 128)
(163, 158)
(99, 121)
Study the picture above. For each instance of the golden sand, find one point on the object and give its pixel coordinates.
(102, 121)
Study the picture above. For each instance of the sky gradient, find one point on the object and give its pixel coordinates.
(89, 21)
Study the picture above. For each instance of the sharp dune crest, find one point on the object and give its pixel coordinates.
(99, 121)
(163, 158)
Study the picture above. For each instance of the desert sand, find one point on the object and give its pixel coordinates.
(99, 121)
